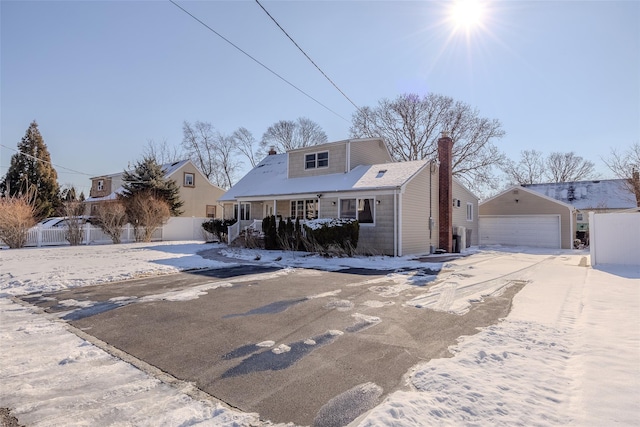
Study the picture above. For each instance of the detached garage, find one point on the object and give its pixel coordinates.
(521, 217)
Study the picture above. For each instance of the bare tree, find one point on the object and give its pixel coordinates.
(17, 215)
(162, 152)
(625, 165)
(287, 135)
(225, 150)
(411, 126)
(567, 167)
(146, 213)
(73, 221)
(212, 152)
(246, 144)
(111, 218)
(529, 170)
(198, 141)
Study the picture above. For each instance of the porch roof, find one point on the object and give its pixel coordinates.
(269, 179)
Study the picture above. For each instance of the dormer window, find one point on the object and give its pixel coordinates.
(316, 160)
(100, 185)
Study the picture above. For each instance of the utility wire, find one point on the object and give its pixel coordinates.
(255, 60)
(307, 56)
(43, 161)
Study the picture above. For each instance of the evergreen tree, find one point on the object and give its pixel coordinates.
(31, 168)
(148, 177)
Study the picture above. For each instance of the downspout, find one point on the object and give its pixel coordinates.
(400, 224)
(395, 223)
(430, 207)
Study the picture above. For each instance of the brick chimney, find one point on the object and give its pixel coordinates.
(272, 150)
(445, 192)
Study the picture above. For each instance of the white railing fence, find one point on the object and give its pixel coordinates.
(177, 228)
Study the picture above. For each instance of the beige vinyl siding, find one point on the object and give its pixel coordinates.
(530, 204)
(328, 207)
(377, 238)
(196, 198)
(369, 152)
(337, 160)
(460, 213)
(415, 214)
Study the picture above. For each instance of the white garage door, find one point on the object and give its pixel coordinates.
(540, 231)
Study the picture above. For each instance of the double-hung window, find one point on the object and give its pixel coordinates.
(469, 211)
(316, 160)
(100, 185)
(242, 211)
(360, 209)
(189, 179)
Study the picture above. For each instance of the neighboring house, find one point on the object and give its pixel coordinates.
(200, 196)
(599, 196)
(520, 216)
(396, 203)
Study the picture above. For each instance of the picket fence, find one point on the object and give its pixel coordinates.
(177, 228)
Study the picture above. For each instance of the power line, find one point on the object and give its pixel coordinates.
(255, 60)
(44, 161)
(307, 56)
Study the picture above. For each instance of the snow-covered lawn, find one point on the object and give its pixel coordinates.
(569, 352)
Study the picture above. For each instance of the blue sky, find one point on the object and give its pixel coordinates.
(104, 77)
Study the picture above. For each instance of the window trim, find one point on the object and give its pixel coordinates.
(100, 185)
(372, 206)
(193, 179)
(294, 209)
(469, 211)
(240, 211)
(315, 160)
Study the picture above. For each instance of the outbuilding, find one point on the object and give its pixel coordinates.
(522, 217)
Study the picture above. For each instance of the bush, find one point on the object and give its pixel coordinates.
(146, 213)
(270, 233)
(328, 234)
(111, 218)
(218, 227)
(16, 217)
(73, 221)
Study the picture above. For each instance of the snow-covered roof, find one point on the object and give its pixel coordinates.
(606, 193)
(269, 179)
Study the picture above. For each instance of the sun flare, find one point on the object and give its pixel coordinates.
(467, 14)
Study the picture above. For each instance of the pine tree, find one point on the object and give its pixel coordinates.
(31, 168)
(148, 176)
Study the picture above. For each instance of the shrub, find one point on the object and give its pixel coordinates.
(146, 213)
(16, 217)
(111, 218)
(218, 227)
(73, 221)
(270, 232)
(329, 233)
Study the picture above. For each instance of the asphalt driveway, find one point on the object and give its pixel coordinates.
(295, 345)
